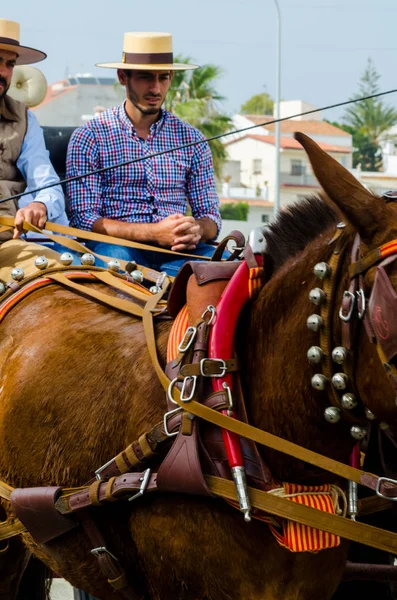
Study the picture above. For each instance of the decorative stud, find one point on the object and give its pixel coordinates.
(339, 354)
(17, 274)
(339, 381)
(2, 288)
(88, 260)
(154, 289)
(332, 414)
(314, 322)
(114, 265)
(315, 354)
(66, 258)
(322, 270)
(319, 382)
(341, 225)
(317, 296)
(358, 432)
(41, 262)
(348, 401)
(137, 276)
(369, 414)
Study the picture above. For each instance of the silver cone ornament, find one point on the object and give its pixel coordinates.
(348, 401)
(41, 262)
(332, 414)
(319, 382)
(322, 270)
(137, 276)
(66, 258)
(114, 265)
(317, 296)
(315, 354)
(17, 274)
(339, 381)
(358, 432)
(88, 260)
(339, 354)
(314, 322)
(369, 414)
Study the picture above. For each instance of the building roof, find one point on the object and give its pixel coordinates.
(289, 143)
(262, 203)
(310, 127)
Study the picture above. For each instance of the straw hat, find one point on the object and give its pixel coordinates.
(28, 85)
(148, 52)
(9, 40)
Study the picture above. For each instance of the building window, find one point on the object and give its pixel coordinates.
(257, 166)
(297, 167)
(265, 218)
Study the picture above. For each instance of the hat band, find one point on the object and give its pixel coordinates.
(148, 58)
(4, 40)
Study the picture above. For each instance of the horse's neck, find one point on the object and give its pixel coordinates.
(280, 397)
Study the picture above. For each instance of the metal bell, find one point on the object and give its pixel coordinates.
(315, 354)
(339, 354)
(314, 322)
(369, 414)
(332, 414)
(66, 258)
(41, 262)
(322, 270)
(87, 259)
(114, 265)
(348, 401)
(317, 296)
(154, 289)
(358, 432)
(2, 288)
(137, 276)
(339, 381)
(319, 382)
(17, 274)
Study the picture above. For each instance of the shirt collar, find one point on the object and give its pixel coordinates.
(6, 112)
(154, 128)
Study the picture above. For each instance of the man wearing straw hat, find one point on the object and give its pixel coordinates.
(24, 160)
(145, 201)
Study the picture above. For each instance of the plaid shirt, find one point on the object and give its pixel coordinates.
(146, 191)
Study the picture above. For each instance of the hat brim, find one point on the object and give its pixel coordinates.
(26, 55)
(140, 67)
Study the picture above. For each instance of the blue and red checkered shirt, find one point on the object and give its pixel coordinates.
(142, 192)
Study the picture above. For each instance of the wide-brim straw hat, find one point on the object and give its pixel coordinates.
(9, 40)
(148, 51)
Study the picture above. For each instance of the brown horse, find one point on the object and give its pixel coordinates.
(77, 386)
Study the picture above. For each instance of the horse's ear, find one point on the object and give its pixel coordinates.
(362, 209)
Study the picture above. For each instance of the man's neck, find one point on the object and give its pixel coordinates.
(140, 121)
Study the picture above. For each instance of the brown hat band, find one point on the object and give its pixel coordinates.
(4, 40)
(148, 58)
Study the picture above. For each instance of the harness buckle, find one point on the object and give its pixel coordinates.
(185, 345)
(103, 550)
(379, 483)
(99, 471)
(212, 310)
(165, 422)
(144, 483)
(347, 317)
(360, 303)
(186, 380)
(219, 362)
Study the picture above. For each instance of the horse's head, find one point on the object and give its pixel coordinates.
(368, 317)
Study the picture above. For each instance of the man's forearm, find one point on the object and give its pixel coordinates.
(135, 232)
(208, 229)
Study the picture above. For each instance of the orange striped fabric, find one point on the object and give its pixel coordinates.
(255, 281)
(178, 329)
(389, 248)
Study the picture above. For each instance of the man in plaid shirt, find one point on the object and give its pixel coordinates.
(145, 201)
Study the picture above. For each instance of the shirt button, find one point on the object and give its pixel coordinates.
(151, 198)
(154, 211)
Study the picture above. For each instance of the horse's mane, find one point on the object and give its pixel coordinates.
(296, 226)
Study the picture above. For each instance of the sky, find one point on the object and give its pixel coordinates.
(325, 44)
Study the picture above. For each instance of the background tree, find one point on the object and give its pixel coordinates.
(367, 121)
(194, 98)
(237, 212)
(260, 104)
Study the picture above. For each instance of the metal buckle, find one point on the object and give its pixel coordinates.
(160, 279)
(144, 484)
(167, 414)
(349, 314)
(379, 493)
(229, 397)
(186, 380)
(192, 331)
(210, 309)
(219, 361)
(99, 471)
(101, 550)
(360, 294)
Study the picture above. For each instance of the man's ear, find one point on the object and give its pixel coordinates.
(171, 75)
(122, 76)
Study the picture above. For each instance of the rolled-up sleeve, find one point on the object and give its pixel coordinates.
(37, 170)
(201, 189)
(85, 195)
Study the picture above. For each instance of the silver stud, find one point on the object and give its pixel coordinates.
(358, 432)
(314, 322)
(317, 296)
(332, 414)
(341, 225)
(154, 289)
(369, 414)
(319, 382)
(66, 258)
(41, 262)
(339, 381)
(137, 276)
(322, 270)
(114, 265)
(88, 260)
(339, 354)
(315, 354)
(2, 288)
(348, 401)
(17, 274)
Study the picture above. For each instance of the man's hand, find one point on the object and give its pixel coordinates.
(34, 213)
(177, 232)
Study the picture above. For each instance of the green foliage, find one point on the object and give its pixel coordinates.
(237, 212)
(367, 121)
(260, 104)
(193, 97)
